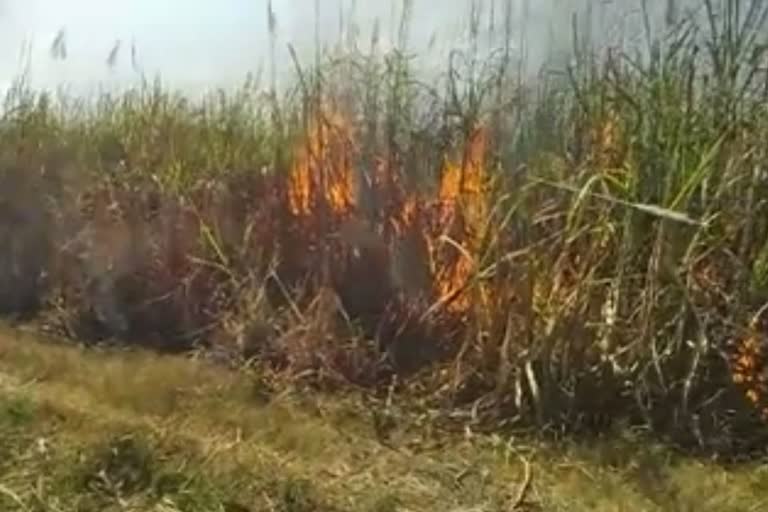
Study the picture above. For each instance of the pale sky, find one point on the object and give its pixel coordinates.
(196, 44)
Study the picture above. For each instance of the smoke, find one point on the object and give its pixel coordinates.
(195, 45)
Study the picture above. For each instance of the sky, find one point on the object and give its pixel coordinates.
(200, 44)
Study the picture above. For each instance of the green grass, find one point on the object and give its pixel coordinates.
(131, 431)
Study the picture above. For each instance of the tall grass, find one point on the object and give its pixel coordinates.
(622, 267)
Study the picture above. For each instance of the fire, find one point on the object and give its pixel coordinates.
(299, 188)
(323, 168)
(451, 224)
(748, 365)
(463, 197)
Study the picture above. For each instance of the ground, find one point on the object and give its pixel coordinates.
(86, 430)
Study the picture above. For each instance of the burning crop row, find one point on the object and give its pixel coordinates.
(600, 271)
(323, 193)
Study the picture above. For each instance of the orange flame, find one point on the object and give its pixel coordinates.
(323, 168)
(748, 365)
(463, 195)
(299, 188)
(323, 171)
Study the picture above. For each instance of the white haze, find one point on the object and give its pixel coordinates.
(201, 44)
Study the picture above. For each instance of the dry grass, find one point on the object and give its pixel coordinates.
(566, 256)
(132, 431)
